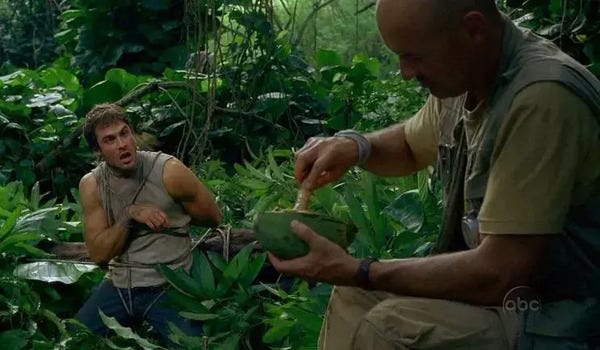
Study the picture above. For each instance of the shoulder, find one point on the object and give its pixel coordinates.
(88, 188)
(547, 107)
(173, 166)
(179, 180)
(88, 180)
(550, 96)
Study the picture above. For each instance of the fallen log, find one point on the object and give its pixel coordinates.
(223, 240)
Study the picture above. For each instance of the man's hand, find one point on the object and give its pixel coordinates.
(152, 217)
(324, 159)
(325, 261)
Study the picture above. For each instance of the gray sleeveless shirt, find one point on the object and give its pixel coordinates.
(144, 248)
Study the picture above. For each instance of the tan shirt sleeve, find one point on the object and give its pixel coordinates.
(422, 132)
(541, 155)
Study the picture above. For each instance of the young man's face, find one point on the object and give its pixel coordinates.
(117, 145)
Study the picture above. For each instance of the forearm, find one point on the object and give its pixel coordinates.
(462, 276)
(390, 153)
(107, 244)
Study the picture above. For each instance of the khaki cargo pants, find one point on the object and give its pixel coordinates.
(361, 320)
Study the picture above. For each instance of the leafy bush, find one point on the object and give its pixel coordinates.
(30, 312)
(27, 32)
(37, 115)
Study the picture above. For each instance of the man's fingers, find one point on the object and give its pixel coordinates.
(303, 231)
(290, 267)
(163, 218)
(305, 158)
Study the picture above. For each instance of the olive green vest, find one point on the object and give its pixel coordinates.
(570, 288)
(135, 266)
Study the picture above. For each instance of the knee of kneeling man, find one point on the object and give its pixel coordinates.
(395, 321)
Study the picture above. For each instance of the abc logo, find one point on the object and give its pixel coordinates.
(520, 299)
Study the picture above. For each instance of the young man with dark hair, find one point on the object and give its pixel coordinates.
(137, 209)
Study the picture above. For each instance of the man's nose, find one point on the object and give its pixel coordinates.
(120, 142)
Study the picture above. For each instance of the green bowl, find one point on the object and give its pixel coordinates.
(274, 233)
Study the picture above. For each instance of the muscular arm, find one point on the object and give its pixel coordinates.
(480, 276)
(186, 188)
(103, 242)
(390, 153)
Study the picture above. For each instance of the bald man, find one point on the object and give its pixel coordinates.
(512, 127)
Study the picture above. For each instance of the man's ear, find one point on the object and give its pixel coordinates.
(475, 25)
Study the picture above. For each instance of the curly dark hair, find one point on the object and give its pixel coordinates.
(102, 114)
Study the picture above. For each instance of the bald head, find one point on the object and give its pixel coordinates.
(451, 11)
(443, 14)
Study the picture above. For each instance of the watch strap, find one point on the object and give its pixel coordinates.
(363, 272)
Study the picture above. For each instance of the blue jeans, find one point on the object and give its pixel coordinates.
(147, 303)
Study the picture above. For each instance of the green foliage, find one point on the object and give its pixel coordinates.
(344, 26)
(27, 32)
(222, 295)
(572, 25)
(37, 114)
(294, 319)
(140, 36)
(29, 309)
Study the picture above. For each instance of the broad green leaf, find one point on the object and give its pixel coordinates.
(17, 238)
(181, 281)
(51, 271)
(121, 77)
(201, 270)
(102, 92)
(44, 100)
(31, 250)
(172, 127)
(53, 77)
(255, 184)
(14, 339)
(408, 210)
(126, 332)
(371, 63)
(237, 264)
(36, 220)
(9, 224)
(217, 260)
(15, 110)
(280, 330)
(230, 343)
(185, 340)
(327, 58)
(182, 301)
(278, 175)
(359, 218)
(378, 222)
(252, 269)
(311, 321)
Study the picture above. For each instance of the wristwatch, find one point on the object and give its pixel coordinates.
(362, 274)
